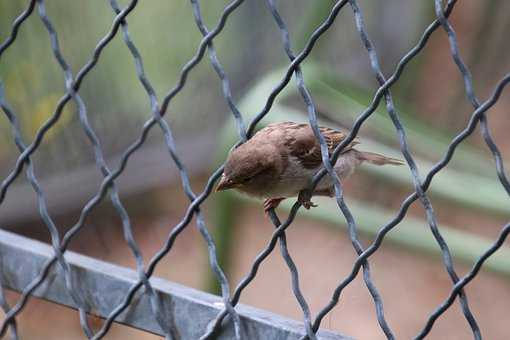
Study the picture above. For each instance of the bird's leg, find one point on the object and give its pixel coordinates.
(304, 198)
(272, 203)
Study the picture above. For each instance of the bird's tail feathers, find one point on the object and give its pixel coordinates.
(377, 159)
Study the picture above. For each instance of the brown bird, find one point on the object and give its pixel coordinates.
(280, 161)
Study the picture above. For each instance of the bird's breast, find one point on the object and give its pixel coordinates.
(295, 177)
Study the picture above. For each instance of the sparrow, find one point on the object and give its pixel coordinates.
(280, 161)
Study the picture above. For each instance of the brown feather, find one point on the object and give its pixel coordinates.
(303, 144)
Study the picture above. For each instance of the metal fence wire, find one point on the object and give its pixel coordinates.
(229, 317)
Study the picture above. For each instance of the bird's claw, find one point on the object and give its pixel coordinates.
(308, 204)
(272, 203)
(304, 198)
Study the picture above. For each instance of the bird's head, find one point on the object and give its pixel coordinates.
(249, 166)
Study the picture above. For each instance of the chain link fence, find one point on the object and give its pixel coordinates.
(142, 301)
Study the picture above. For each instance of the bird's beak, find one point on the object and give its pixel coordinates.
(225, 184)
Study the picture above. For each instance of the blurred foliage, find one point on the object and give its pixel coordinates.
(33, 81)
(37, 111)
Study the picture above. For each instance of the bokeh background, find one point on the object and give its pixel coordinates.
(469, 203)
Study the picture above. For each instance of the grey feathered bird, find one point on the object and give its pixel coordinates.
(280, 160)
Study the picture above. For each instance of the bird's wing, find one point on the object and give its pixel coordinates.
(302, 143)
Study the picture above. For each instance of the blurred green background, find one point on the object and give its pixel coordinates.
(469, 202)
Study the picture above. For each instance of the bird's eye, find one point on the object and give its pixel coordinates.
(247, 179)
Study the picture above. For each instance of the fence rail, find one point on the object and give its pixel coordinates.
(157, 306)
(105, 284)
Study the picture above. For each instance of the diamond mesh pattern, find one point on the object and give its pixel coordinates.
(245, 130)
